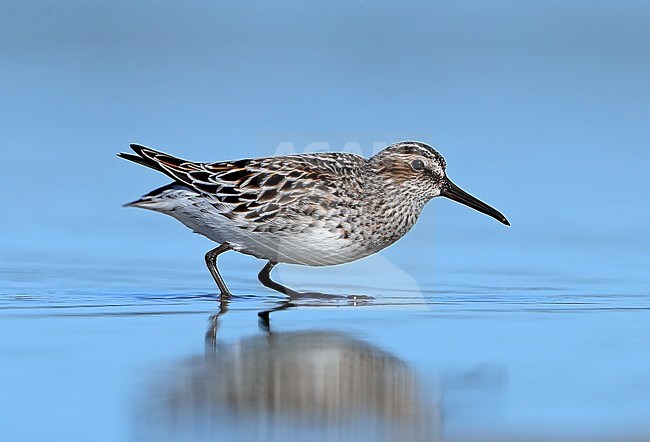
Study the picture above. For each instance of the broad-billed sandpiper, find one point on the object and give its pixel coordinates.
(313, 209)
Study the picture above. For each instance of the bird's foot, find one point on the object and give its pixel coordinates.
(354, 299)
(360, 299)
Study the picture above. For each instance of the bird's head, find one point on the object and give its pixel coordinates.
(418, 169)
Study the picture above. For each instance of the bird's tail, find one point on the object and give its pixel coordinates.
(155, 160)
(158, 199)
(144, 156)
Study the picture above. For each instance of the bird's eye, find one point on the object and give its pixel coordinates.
(417, 165)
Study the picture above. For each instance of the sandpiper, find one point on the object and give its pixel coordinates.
(313, 209)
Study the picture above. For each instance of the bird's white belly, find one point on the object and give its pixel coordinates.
(315, 246)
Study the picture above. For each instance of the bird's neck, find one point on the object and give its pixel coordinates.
(395, 208)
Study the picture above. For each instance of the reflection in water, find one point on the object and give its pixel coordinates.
(296, 385)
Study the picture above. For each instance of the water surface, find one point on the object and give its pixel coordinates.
(466, 358)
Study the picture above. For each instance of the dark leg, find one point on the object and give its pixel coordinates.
(211, 261)
(265, 278)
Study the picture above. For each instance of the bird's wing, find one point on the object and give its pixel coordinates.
(255, 191)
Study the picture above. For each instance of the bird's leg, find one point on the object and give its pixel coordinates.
(265, 278)
(211, 262)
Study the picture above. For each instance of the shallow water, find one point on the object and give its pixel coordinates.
(464, 356)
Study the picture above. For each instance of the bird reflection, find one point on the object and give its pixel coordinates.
(264, 319)
(281, 385)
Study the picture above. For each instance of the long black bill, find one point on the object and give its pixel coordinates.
(453, 192)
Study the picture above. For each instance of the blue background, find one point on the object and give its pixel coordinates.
(540, 108)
